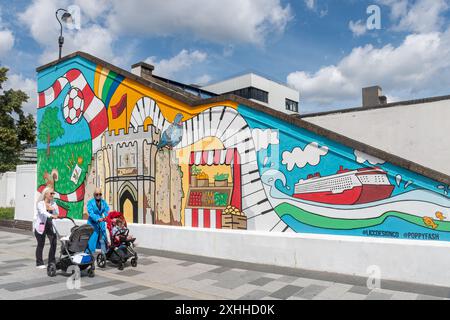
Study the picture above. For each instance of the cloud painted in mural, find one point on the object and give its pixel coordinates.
(301, 157)
(264, 138)
(362, 157)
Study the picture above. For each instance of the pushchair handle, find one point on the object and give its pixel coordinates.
(68, 218)
(61, 218)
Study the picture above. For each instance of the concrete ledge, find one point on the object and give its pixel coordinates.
(398, 260)
(17, 224)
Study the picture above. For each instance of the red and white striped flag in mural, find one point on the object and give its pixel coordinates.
(118, 109)
(94, 109)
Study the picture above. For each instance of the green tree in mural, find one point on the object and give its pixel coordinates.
(50, 127)
(17, 129)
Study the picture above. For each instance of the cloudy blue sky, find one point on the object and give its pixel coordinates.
(320, 47)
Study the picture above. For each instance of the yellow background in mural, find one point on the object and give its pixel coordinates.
(128, 210)
(134, 91)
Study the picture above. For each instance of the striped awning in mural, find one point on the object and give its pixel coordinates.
(212, 157)
(203, 218)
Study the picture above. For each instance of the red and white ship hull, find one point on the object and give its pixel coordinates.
(346, 187)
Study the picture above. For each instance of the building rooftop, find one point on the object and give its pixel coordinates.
(192, 100)
(380, 106)
(249, 72)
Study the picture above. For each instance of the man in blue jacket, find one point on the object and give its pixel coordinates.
(98, 210)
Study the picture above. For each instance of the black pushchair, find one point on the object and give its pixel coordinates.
(121, 247)
(73, 250)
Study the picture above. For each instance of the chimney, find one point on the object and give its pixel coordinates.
(373, 96)
(142, 69)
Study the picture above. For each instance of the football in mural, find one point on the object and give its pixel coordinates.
(73, 106)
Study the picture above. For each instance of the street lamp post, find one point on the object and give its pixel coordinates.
(65, 17)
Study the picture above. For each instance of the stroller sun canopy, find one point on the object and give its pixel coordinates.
(79, 238)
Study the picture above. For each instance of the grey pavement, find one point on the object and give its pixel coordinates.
(166, 275)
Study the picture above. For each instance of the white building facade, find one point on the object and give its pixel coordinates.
(261, 90)
(7, 189)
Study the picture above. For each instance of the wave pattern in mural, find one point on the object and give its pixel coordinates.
(222, 166)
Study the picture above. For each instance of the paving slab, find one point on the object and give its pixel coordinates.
(163, 275)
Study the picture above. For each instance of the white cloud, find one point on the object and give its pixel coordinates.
(358, 28)
(7, 38)
(310, 4)
(310, 155)
(323, 13)
(19, 82)
(390, 66)
(103, 22)
(398, 7)
(362, 157)
(39, 18)
(248, 21)
(320, 10)
(180, 62)
(6, 41)
(93, 9)
(203, 80)
(417, 16)
(92, 38)
(263, 138)
(421, 61)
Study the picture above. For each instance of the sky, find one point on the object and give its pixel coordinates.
(322, 48)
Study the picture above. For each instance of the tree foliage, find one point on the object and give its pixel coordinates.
(17, 129)
(50, 127)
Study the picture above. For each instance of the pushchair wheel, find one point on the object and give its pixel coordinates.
(134, 262)
(51, 270)
(101, 260)
(91, 271)
(121, 265)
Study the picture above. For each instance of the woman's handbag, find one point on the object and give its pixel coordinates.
(41, 227)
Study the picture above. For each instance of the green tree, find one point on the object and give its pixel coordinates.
(17, 129)
(50, 127)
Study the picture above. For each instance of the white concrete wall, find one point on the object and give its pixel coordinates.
(277, 92)
(401, 260)
(26, 194)
(415, 132)
(7, 189)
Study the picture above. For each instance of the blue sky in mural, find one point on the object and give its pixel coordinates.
(320, 47)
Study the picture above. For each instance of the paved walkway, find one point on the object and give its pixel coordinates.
(163, 275)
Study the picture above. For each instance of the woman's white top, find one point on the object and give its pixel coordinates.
(41, 214)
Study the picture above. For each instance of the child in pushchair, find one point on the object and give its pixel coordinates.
(121, 244)
(120, 233)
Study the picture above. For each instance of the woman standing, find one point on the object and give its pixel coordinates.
(46, 210)
(98, 210)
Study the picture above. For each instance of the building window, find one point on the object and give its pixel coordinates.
(291, 105)
(252, 93)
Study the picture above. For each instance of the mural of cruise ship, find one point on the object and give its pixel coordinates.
(346, 187)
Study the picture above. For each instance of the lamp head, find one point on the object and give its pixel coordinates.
(67, 17)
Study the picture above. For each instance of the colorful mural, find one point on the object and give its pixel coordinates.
(220, 166)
